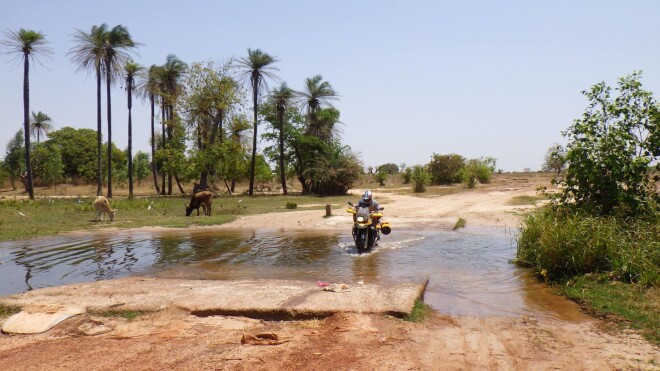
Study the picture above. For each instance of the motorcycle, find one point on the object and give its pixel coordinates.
(367, 226)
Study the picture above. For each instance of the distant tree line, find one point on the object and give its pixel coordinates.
(204, 123)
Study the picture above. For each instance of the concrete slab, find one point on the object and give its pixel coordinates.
(38, 319)
(266, 299)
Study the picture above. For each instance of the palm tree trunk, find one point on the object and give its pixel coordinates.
(108, 78)
(255, 88)
(162, 121)
(130, 139)
(280, 113)
(170, 134)
(153, 144)
(99, 137)
(26, 122)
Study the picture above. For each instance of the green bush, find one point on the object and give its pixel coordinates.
(381, 177)
(611, 150)
(291, 205)
(478, 170)
(420, 179)
(563, 242)
(446, 169)
(407, 175)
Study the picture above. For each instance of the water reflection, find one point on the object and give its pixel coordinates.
(469, 270)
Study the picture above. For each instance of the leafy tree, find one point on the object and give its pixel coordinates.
(40, 123)
(15, 157)
(420, 178)
(610, 150)
(555, 159)
(389, 168)
(208, 98)
(26, 45)
(78, 149)
(131, 69)
(47, 164)
(446, 169)
(141, 164)
(257, 66)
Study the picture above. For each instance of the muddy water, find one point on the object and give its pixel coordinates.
(468, 271)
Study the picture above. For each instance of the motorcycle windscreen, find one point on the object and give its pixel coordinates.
(362, 214)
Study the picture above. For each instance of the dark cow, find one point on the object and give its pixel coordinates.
(200, 199)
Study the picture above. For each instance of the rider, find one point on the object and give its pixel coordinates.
(367, 200)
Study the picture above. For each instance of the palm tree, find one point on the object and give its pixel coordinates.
(257, 67)
(317, 93)
(40, 123)
(149, 85)
(131, 69)
(282, 97)
(26, 44)
(171, 74)
(116, 43)
(88, 54)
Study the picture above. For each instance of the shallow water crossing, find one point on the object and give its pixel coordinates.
(469, 271)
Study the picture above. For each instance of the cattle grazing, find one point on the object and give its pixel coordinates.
(200, 199)
(102, 206)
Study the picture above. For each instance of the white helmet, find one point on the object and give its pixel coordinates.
(366, 197)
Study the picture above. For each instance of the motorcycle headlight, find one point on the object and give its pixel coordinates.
(360, 219)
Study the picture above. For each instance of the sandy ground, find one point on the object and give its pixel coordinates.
(178, 340)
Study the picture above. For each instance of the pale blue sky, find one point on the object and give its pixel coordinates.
(477, 78)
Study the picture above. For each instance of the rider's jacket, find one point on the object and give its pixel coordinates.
(373, 205)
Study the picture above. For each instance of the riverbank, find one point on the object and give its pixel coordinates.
(180, 340)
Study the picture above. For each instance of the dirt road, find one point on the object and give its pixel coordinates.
(178, 340)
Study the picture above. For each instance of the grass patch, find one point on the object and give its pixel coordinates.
(419, 313)
(609, 265)
(628, 305)
(6, 311)
(50, 216)
(565, 243)
(291, 205)
(525, 200)
(128, 314)
(460, 223)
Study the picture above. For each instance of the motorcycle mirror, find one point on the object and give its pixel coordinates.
(350, 203)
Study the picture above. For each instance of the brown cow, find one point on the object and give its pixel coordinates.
(200, 199)
(102, 206)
